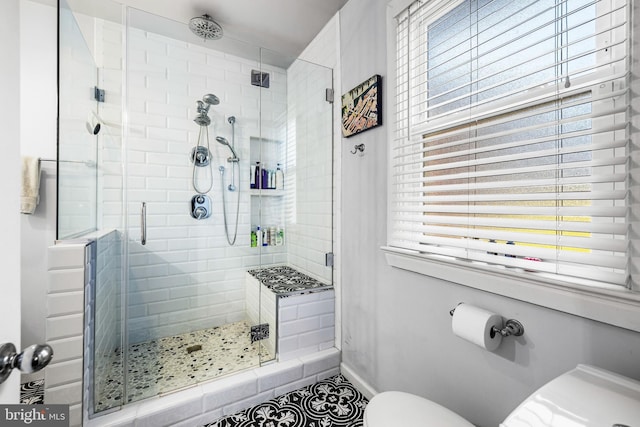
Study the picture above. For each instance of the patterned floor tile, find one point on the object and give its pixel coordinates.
(286, 280)
(333, 402)
(32, 393)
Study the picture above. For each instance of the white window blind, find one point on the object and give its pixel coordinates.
(512, 135)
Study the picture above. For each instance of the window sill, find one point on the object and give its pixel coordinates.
(615, 307)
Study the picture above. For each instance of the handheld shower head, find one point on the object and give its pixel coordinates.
(222, 140)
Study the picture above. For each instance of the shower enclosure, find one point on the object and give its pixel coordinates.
(212, 159)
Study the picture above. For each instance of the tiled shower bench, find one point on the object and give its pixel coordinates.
(301, 308)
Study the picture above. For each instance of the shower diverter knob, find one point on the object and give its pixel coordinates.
(31, 359)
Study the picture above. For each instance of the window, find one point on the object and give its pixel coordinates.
(511, 144)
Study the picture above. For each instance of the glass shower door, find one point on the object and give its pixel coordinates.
(186, 195)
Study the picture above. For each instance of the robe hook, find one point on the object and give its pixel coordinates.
(359, 147)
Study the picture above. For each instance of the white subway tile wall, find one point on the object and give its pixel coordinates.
(67, 264)
(305, 324)
(308, 172)
(107, 337)
(261, 308)
(187, 276)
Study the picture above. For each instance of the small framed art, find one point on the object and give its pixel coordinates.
(362, 107)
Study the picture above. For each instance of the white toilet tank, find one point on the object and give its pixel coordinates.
(583, 397)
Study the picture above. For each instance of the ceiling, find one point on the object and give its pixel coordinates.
(284, 26)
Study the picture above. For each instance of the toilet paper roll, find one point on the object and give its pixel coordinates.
(474, 324)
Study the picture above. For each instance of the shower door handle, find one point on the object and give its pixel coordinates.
(143, 224)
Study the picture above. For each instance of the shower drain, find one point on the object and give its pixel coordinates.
(193, 348)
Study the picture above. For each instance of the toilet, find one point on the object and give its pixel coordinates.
(585, 396)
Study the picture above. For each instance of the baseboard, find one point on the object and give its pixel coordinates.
(357, 381)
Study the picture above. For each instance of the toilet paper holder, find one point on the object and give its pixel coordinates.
(512, 327)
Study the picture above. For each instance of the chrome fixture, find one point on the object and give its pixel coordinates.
(200, 154)
(232, 122)
(260, 79)
(143, 224)
(512, 327)
(200, 206)
(358, 147)
(31, 359)
(235, 163)
(204, 26)
(222, 140)
(202, 119)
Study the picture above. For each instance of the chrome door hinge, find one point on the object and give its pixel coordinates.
(328, 95)
(328, 259)
(98, 94)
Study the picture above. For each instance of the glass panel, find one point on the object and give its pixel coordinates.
(309, 170)
(186, 313)
(180, 290)
(90, 177)
(77, 144)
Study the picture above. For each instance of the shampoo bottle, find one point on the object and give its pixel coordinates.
(279, 178)
(253, 177)
(257, 175)
(254, 238)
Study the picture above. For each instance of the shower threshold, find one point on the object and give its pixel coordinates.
(171, 363)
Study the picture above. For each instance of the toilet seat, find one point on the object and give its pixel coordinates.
(585, 396)
(409, 411)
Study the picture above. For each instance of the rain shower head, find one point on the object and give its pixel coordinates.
(205, 27)
(222, 140)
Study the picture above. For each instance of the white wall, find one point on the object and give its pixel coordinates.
(38, 111)
(396, 324)
(9, 178)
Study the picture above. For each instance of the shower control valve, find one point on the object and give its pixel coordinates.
(200, 206)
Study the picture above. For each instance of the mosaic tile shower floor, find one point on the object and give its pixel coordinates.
(333, 402)
(164, 365)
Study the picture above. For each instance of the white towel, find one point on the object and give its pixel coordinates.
(30, 195)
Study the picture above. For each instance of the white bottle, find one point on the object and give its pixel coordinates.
(252, 182)
(279, 178)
